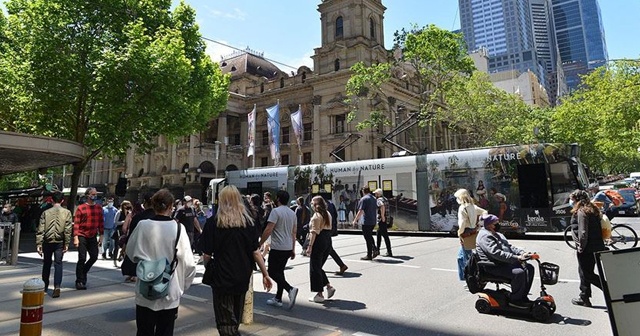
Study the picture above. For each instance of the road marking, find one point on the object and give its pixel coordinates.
(381, 263)
(195, 298)
(296, 320)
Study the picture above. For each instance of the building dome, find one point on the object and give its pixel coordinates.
(247, 61)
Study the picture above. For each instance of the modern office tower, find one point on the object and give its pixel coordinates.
(504, 28)
(546, 48)
(580, 37)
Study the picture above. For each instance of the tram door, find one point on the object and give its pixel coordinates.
(254, 188)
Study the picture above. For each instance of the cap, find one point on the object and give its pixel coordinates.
(187, 198)
(488, 219)
(378, 191)
(292, 203)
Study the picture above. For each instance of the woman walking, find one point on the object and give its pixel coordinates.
(468, 214)
(319, 249)
(155, 239)
(230, 240)
(586, 217)
(123, 216)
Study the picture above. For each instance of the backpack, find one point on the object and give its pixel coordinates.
(615, 197)
(154, 276)
(472, 273)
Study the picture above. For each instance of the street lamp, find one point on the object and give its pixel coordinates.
(217, 154)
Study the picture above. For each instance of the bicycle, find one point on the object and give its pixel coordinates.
(622, 237)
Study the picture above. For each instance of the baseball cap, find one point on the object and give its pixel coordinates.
(378, 191)
(187, 198)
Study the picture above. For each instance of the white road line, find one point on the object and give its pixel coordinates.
(296, 320)
(381, 263)
(363, 334)
(195, 298)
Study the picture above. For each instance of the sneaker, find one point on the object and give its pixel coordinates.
(585, 302)
(317, 299)
(56, 293)
(293, 293)
(390, 255)
(366, 258)
(343, 269)
(274, 302)
(330, 292)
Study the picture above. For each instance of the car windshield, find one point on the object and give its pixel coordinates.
(628, 195)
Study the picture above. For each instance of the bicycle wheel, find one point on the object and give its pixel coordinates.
(623, 237)
(569, 237)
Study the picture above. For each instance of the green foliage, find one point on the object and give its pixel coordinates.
(106, 74)
(604, 117)
(365, 85)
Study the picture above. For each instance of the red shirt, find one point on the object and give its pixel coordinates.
(88, 220)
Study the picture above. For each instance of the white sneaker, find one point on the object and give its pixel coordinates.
(293, 293)
(274, 302)
(317, 299)
(330, 292)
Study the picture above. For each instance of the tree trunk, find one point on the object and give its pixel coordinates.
(78, 167)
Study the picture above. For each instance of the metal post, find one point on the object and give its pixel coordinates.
(247, 312)
(217, 155)
(15, 243)
(32, 301)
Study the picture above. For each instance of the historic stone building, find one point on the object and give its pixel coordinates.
(352, 31)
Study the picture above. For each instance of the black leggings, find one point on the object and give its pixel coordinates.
(586, 263)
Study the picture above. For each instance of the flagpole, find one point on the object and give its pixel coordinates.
(298, 139)
(253, 157)
(277, 163)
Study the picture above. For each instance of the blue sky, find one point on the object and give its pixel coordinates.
(287, 31)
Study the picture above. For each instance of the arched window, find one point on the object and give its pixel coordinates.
(261, 87)
(336, 64)
(281, 83)
(339, 27)
(304, 76)
(372, 28)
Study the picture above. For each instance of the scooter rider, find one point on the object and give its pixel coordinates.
(509, 260)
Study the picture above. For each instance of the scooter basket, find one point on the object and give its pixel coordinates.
(549, 273)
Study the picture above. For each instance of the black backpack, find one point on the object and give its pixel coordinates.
(472, 273)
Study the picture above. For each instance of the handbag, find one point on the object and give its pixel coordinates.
(154, 276)
(207, 277)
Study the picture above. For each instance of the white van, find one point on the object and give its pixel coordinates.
(635, 175)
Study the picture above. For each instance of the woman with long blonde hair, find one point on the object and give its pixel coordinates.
(319, 249)
(230, 247)
(468, 227)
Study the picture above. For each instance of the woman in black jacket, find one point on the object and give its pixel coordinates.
(586, 218)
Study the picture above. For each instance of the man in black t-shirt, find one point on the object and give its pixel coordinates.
(187, 216)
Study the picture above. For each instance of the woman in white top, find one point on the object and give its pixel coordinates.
(468, 214)
(154, 239)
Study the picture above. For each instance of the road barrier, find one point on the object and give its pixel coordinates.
(32, 307)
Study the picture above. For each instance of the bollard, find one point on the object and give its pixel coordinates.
(247, 312)
(32, 300)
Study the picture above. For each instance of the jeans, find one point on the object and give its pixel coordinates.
(367, 231)
(49, 250)
(277, 263)
(463, 257)
(108, 243)
(155, 323)
(83, 266)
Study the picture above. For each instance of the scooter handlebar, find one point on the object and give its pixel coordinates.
(530, 256)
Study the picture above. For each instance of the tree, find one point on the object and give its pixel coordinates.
(107, 74)
(604, 117)
(427, 58)
(483, 115)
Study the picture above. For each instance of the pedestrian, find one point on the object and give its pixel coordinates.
(383, 222)
(52, 239)
(303, 216)
(342, 211)
(229, 239)
(468, 214)
(7, 215)
(367, 209)
(281, 228)
(319, 249)
(587, 218)
(128, 267)
(186, 215)
(154, 239)
(88, 223)
(334, 232)
(123, 217)
(267, 206)
(109, 213)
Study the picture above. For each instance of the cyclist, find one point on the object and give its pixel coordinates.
(599, 196)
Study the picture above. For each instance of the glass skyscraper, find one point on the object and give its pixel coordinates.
(580, 37)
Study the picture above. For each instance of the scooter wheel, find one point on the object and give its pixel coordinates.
(483, 306)
(541, 313)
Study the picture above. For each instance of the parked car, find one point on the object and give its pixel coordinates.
(630, 205)
(630, 181)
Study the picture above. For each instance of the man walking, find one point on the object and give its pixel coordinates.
(87, 224)
(52, 239)
(368, 207)
(109, 213)
(187, 217)
(383, 222)
(281, 227)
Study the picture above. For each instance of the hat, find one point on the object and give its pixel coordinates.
(187, 198)
(293, 202)
(378, 191)
(501, 196)
(488, 219)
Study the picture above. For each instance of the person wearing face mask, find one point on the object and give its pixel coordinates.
(7, 215)
(88, 223)
(109, 213)
(509, 261)
(187, 217)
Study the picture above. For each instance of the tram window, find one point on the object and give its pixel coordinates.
(563, 182)
(532, 180)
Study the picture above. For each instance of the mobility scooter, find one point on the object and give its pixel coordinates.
(489, 300)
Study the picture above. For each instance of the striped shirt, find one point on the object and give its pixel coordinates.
(88, 221)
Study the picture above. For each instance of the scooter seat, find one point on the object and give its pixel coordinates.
(488, 277)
